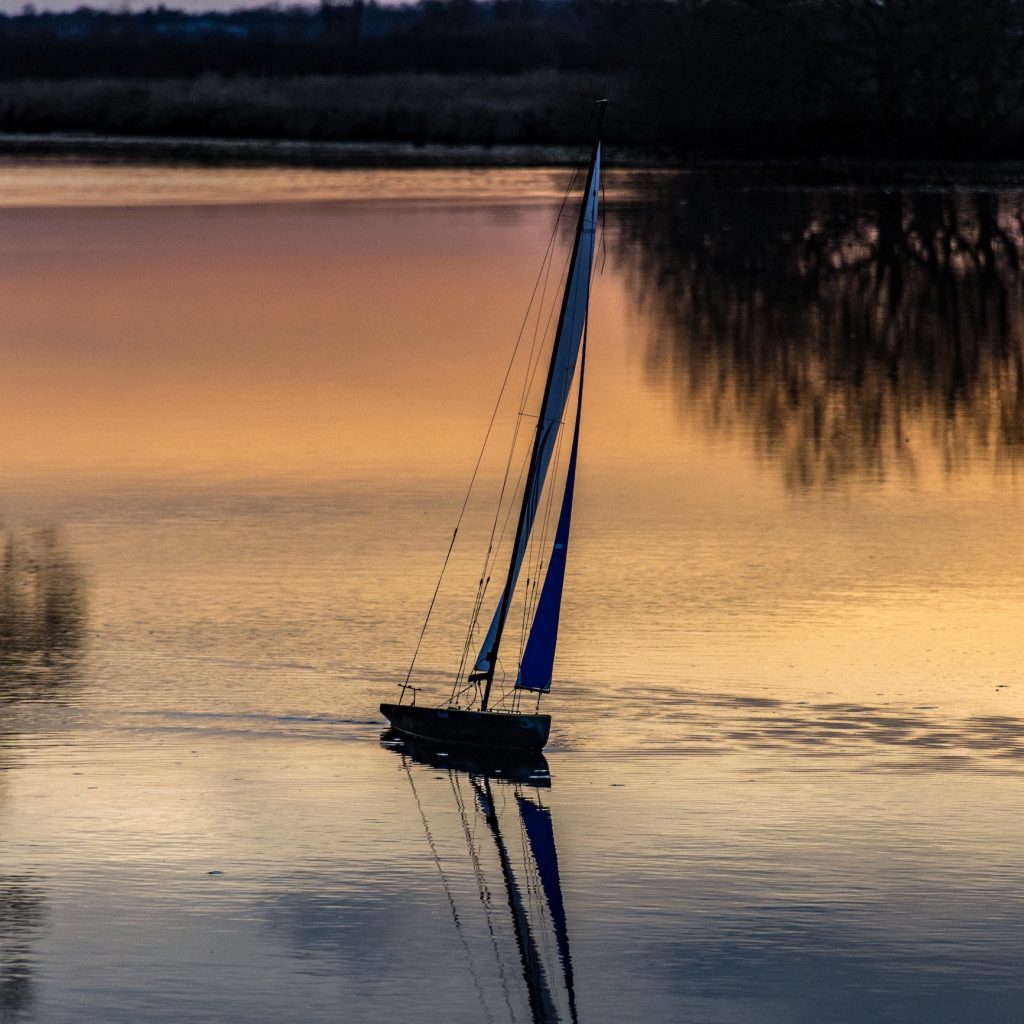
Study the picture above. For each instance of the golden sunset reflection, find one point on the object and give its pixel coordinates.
(305, 347)
(68, 183)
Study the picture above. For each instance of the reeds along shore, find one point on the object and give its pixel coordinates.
(728, 78)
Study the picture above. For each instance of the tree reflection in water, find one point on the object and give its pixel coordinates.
(22, 909)
(841, 328)
(42, 625)
(42, 613)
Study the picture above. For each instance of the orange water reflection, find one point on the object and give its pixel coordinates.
(309, 351)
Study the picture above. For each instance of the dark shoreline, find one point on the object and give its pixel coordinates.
(282, 153)
(221, 152)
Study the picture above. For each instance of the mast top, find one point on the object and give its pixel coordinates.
(602, 107)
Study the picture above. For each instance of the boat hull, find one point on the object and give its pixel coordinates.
(484, 730)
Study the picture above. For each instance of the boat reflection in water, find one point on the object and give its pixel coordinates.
(504, 795)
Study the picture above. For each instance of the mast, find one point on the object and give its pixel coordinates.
(506, 594)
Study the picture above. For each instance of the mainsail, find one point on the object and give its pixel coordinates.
(568, 337)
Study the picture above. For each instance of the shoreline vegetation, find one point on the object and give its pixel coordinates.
(742, 174)
(356, 120)
(719, 79)
(256, 152)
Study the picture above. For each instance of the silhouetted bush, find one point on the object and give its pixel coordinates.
(538, 108)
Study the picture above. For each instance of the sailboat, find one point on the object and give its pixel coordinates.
(509, 728)
(531, 883)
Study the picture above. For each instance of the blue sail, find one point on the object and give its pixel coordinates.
(537, 666)
(563, 369)
(539, 831)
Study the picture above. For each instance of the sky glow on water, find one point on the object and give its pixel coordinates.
(785, 768)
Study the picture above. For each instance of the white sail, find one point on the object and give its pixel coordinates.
(563, 368)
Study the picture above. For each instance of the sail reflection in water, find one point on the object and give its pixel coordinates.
(508, 844)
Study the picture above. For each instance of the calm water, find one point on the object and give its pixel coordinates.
(787, 760)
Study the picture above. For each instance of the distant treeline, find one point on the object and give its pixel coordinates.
(738, 78)
(338, 37)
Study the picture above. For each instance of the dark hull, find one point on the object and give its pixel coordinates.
(484, 730)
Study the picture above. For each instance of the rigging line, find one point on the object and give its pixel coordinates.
(534, 555)
(497, 547)
(543, 275)
(494, 413)
(536, 561)
(531, 374)
(540, 310)
(531, 598)
(470, 632)
(604, 225)
(526, 609)
(574, 177)
(533, 364)
(540, 998)
(562, 280)
(548, 263)
(482, 886)
(501, 681)
(447, 891)
(456, 694)
(539, 541)
(528, 380)
(492, 548)
(536, 543)
(534, 885)
(419, 641)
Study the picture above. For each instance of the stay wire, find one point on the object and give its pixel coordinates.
(448, 892)
(538, 545)
(481, 881)
(490, 424)
(532, 368)
(532, 365)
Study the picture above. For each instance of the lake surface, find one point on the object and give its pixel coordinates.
(785, 780)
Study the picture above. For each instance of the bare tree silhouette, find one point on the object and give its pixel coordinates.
(835, 325)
